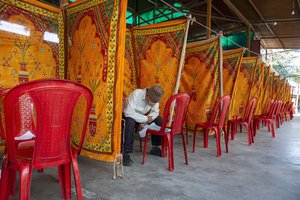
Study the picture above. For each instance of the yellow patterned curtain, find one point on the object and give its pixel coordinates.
(276, 84)
(257, 86)
(231, 66)
(243, 85)
(158, 50)
(129, 67)
(27, 51)
(282, 89)
(266, 92)
(96, 30)
(200, 79)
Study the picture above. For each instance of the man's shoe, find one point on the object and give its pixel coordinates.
(127, 160)
(155, 151)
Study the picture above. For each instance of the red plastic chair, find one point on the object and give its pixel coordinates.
(290, 110)
(216, 123)
(246, 120)
(284, 112)
(277, 113)
(54, 102)
(182, 102)
(268, 119)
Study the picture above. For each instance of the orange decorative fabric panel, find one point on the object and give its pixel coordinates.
(200, 79)
(158, 50)
(256, 89)
(129, 67)
(96, 33)
(243, 85)
(276, 85)
(266, 91)
(31, 43)
(231, 66)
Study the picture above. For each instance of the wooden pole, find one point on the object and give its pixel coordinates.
(221, 63)
(181, 63)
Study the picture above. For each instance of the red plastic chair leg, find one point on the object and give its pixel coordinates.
(145, 148)
(170, 152)
(218, 142)
(25, 181)
(184, 150)
(249, 134)
(272, 127)
(205, 138)
(76, 177)
(65, 178)
(4, 182)
(226, 140)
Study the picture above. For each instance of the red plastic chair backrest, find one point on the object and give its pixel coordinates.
(268, 107)
(290, 106)
(273, 108)
(182, 101)
(250, 110)
(221, 107)
(278, 108)
(54, 102)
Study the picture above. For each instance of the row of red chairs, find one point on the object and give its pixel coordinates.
(275, 111)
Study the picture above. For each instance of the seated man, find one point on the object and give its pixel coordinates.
(141, 107)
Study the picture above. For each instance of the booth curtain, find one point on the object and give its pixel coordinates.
(96, 37)
(231, 66)
(276, 82)
(200, 79)
(266, 93)
(129, 82)
(243, 85)
(257, 86)
(158, 50)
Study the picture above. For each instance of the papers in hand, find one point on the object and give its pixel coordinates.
(152, 126)
(26, 136)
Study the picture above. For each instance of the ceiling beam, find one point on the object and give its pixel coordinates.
(287, 20)
(266, 24)
(282, 37)
(240, 15)
(217, 10)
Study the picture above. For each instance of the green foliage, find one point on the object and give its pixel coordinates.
(286, 63)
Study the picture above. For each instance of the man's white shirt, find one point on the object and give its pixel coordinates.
(136, 107)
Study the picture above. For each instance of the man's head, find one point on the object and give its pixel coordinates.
(154, 94)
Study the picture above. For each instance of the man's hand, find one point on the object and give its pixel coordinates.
(140, 127)
(149, 119)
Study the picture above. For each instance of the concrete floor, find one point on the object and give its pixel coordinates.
(269, 169)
